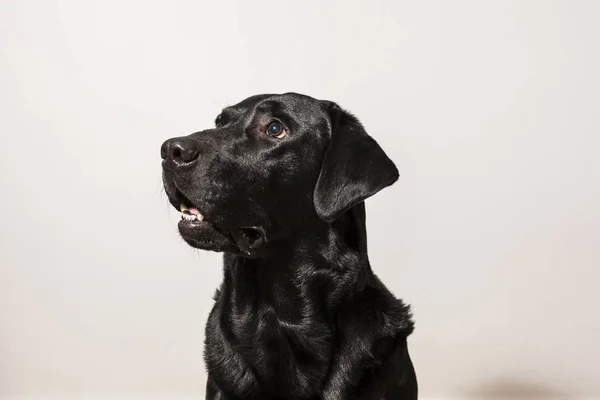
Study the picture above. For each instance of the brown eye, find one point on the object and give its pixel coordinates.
(276, 129)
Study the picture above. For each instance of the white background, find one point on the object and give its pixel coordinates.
(489, 108)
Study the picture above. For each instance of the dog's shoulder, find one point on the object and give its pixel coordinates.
(374, 309)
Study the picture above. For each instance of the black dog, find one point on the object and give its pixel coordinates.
(278, 186)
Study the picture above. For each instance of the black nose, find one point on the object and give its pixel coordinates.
(179, 151)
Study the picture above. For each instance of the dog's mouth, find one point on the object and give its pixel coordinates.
(190, 214)
(200, 232)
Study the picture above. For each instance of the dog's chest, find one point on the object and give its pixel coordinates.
(284, 359)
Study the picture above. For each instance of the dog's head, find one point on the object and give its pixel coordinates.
(274, 167)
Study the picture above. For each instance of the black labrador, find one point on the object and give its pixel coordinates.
(279, 186)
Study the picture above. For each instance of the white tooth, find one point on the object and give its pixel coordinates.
(200, 217)
(188, 217)
(182, 207)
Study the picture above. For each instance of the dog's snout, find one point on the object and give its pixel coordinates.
(179, 151)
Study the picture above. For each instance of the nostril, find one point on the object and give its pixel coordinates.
(177, 155)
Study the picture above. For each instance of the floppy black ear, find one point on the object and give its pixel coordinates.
(354, 167)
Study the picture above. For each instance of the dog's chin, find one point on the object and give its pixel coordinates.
(247, 241)
(203, 235)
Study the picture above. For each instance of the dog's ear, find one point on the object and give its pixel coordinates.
(355, 167)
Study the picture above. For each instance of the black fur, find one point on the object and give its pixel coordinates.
(300, 314)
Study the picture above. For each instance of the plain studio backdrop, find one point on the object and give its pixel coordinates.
(490, 109)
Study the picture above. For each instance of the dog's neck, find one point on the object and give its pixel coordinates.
(305, 274)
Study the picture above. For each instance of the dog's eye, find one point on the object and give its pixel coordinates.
(276, 129)
(218, 121)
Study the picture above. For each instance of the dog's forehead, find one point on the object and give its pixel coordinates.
(293, 103)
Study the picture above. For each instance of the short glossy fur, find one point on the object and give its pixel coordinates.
(300, 314)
